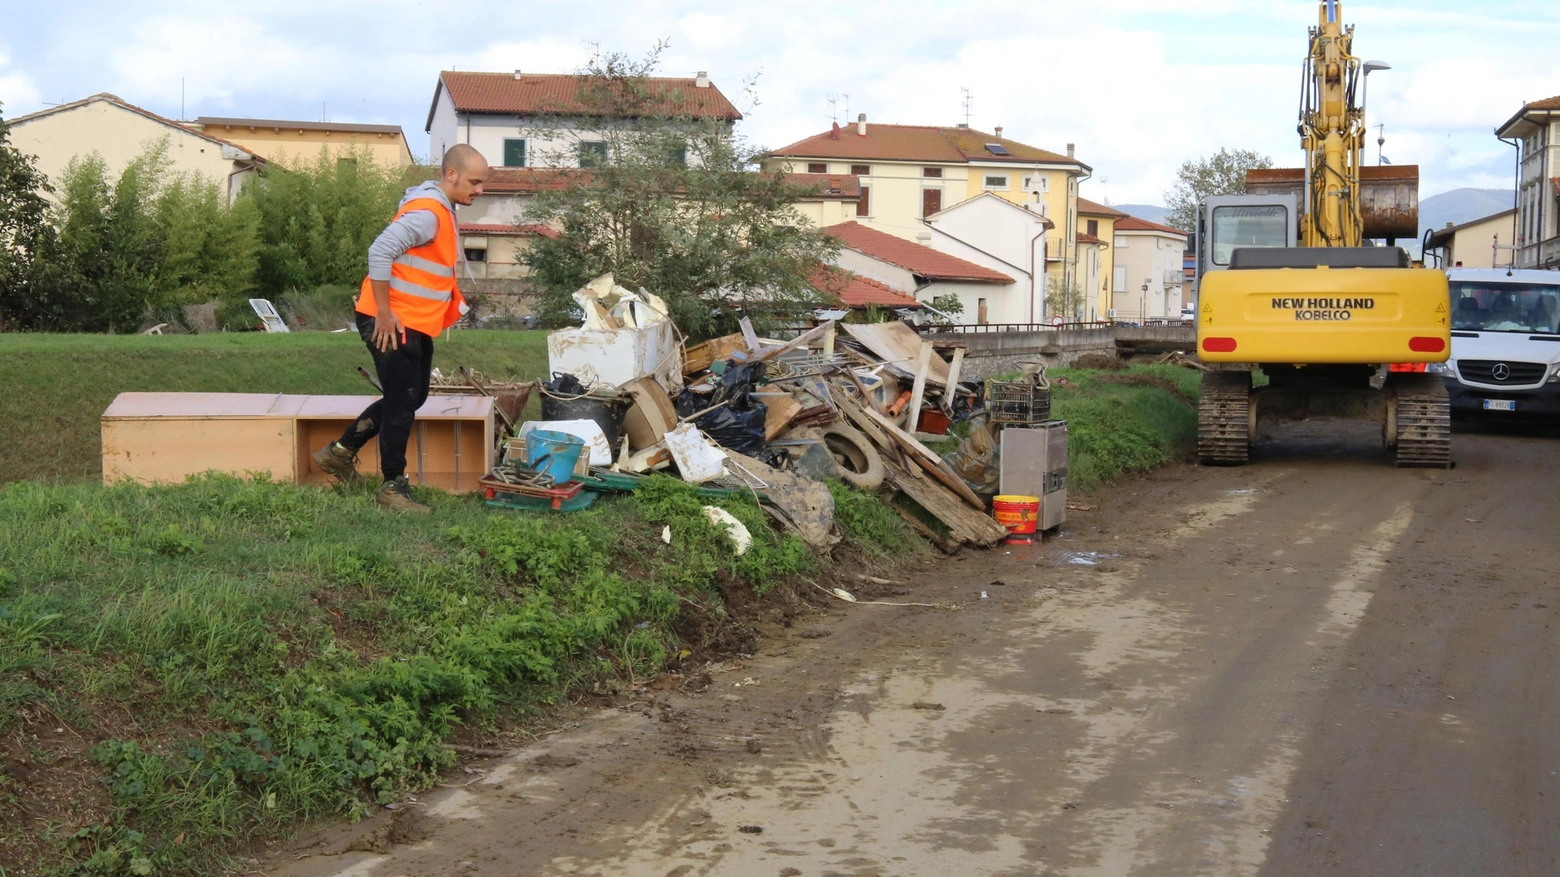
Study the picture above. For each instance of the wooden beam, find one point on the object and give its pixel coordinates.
(953, 380)
(918, 389)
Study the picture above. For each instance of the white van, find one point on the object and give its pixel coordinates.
(1505, 343)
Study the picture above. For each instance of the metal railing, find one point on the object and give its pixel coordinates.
(986, 328)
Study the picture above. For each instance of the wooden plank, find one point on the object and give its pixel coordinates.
(782, 409)
(918, 389)
(928, 460)
(166, 449)
(896, 343)
(748, 335)
(186, 405)
(828, 342)
(807, 338)
(964, 524)
(953, 380)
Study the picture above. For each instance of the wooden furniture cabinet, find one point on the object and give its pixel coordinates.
(164, 437)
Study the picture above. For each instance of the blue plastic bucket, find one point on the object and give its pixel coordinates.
(553, 452)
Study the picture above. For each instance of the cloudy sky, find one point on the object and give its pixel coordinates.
(1138, 85)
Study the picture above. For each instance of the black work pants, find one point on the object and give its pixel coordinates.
(404, 373)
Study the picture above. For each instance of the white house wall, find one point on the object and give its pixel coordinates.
(1146, 255)
(442, 128)
(1005, 302)
(886, 273)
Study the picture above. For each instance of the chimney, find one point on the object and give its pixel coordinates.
(861, 125)
(517, 75)
(1071, 148)
(702, 80)
(999, 131)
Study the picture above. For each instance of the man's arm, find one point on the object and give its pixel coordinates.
(409, 230)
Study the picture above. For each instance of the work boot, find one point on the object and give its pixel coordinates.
(338, 461)
(397, 494)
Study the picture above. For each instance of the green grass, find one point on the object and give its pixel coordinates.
(57, 386)
(233, 658)
(1124, 423)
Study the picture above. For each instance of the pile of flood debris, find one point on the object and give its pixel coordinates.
(741, 413)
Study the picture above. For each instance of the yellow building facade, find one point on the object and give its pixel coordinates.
(288, 142)
(1099, 221)
(909, 172)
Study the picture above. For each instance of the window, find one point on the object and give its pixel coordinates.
(817, 167)
(931, 201)
(474, 254)
(932, 172)
(863, 207)
(996, 182)
(861, 170)
(593, 153)
(1094, 227)
(514, 152)
(1257, 226)
(980, 310)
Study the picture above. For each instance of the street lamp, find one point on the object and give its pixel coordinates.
(1370, 67)
(1145, 302)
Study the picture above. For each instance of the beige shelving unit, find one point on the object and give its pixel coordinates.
(164, 437)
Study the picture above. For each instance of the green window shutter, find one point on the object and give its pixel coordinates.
(593, 154)
(514, 153)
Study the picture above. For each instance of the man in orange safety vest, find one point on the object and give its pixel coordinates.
(407, 299)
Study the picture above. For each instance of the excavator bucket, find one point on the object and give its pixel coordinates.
(1389, 196)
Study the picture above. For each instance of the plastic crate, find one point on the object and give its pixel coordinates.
(1019, 403)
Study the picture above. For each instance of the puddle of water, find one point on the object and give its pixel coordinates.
(1080, 558)
(1243, 491)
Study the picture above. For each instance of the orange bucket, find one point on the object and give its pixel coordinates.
(1020, 514)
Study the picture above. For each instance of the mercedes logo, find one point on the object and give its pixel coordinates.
(1501, 371)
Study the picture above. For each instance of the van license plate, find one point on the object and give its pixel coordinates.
(1499, 405)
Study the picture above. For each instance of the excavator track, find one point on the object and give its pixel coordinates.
(1224, 418)
(1424, 421)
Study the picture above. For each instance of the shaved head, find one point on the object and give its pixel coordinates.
(460, 157)
(464, 170)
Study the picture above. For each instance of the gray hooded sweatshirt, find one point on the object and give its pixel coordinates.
(414, 229)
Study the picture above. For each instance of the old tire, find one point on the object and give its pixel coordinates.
(857, 460)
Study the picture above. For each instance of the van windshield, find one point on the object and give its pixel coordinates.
(1505, 307)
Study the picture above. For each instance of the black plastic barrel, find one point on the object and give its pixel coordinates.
(605, 408)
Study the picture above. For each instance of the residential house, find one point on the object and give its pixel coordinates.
(1481, 243)
(285, 141)
(522, 120)
(923, 273)
(910, 172)
(1148, 280)
(1536, 131)
(855, 292)
(119, 131)
(497, 251)
(1097, 221)
(833, 199)
(1005, 237)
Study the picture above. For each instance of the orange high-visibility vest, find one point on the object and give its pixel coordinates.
(422, 280)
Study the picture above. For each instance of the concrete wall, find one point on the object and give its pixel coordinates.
(995, 353)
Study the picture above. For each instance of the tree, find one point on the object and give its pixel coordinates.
(29, 246)
(948, 304)
(1064, 298)
(1223, 173)
(316, 220)
(673, 203)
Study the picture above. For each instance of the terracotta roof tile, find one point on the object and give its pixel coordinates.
(1093, 208)
(527, 180)
(527, 230)
(911, 256)
(1132, 223)
(555, 94)
(918, 143)
(347, 127)
(1548, 103)
(854, 291)
(830, 186)
(1086, 238)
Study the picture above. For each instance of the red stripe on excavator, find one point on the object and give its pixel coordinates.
(1426, 344)
(1219, 345)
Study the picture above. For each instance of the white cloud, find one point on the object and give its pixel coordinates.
(18, 94)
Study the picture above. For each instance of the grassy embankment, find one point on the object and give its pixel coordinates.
(56, 386)
(186, 669)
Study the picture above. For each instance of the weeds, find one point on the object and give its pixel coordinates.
(290, 653)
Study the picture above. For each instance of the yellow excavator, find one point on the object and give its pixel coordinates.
(1288, 285)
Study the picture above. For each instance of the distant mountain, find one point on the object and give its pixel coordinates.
(1461, 205)
(1150, 212)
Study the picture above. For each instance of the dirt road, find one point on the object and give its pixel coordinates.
(1316, 664)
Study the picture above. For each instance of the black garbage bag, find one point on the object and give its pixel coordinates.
(738, 423)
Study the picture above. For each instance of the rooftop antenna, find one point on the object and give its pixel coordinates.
(1381, 140)
(1105, 189)
(847, 106)
(969, 104)
(834, 107)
